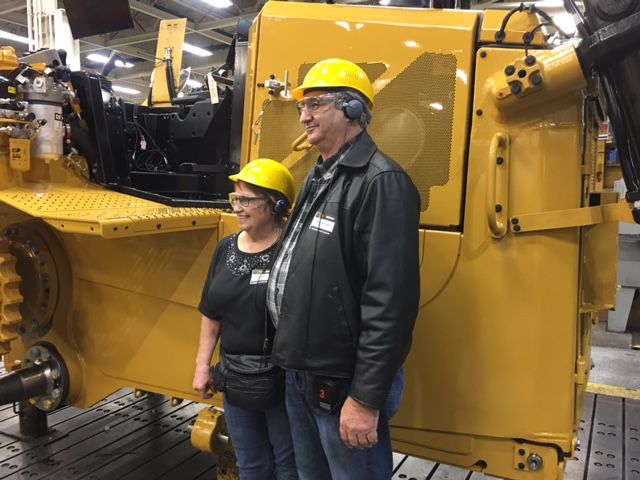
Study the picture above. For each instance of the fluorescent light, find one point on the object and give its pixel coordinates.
(219, 3)
(201, 52)
(96, 57)
(130, 91)
(194, 83)
(15, 38)
(384, 3)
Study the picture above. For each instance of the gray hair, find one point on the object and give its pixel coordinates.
(345, 96)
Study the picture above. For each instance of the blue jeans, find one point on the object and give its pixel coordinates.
(320, 453)
(262, 441)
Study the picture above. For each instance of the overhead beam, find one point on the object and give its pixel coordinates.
(12, 6)
(191, 27)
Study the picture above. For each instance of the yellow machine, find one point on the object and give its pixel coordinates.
(102, 263)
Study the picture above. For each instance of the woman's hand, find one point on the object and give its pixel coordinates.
(202, 382)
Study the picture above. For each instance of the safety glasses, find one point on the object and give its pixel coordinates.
(312, 104)
(244, 201)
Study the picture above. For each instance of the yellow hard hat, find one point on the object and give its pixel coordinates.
(270, 174)
(336, 73)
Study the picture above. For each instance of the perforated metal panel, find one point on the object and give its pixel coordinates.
(413, 120)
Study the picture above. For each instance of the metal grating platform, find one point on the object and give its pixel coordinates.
(123, 437)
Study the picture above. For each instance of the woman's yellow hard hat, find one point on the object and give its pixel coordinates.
(335, 73)
(270, 174)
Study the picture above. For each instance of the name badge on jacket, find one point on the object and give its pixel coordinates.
(322, 223)
(258, 275)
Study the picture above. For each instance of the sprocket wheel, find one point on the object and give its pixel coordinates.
(10, 298)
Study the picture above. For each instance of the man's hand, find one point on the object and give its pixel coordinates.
(358, 424)
(202, 382)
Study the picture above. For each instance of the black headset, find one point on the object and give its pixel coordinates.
(281, 206)
(353, 109)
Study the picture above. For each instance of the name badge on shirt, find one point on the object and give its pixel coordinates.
(322, 223)
(258, 275)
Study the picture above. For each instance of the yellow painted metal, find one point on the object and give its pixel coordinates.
(421, 77)
(571, 217)
(20, 154)
(497, 198)
(519, 24)
(507, 321)
(8, 59)
(170, 35)
(613, 391)
(210, 435)
(10, 298)
(558, 72)
(93, 210)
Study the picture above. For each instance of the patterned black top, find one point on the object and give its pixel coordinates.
(234, 294)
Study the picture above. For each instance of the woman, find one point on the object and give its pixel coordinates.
(233, 308)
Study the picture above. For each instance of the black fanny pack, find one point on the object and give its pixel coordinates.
(248, 381)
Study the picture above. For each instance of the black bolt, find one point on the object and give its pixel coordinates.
(515, 220)
(510, 70)
(516, 88)
(272, 76)
(521, 451)
(522, 73)
(260, 85)
(22, 330)
(271, 92)
(500, 35)
(479, 112)
(498, 208)
(521, 466)
(516, 228)
(499, 160)
(158, 225)
(483, 54)
(530, 60)
(536, 79)
(527, 37)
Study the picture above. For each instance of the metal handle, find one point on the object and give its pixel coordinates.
(497, 196)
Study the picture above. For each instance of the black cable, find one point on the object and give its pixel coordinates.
(500, 35)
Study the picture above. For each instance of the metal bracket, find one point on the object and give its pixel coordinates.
(573, 217)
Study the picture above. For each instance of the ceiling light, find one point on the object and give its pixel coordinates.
(194, 83)
(130, 91)
(96, 57)
(219, 3)
(15, 38)
(201, 52)
(384, 3)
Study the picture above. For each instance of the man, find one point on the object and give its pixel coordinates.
(344, 287)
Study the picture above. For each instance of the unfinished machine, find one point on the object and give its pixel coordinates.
(110, 212)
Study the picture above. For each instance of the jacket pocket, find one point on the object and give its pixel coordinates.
(339, 325)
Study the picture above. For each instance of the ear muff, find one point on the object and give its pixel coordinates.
(352, 109)
(281, 206)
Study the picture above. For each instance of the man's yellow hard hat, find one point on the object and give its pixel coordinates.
(335, 73)
(270, 174)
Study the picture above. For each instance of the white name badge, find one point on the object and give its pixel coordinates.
(259, 275)
(322, 223)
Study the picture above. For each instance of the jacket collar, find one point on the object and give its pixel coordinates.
(360, 153)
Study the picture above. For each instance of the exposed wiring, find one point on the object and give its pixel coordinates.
(531, 8)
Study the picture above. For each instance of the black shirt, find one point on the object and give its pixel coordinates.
(235, 294)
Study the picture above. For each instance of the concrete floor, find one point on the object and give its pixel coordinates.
(615, 363)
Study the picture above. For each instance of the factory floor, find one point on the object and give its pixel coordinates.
(123, 437)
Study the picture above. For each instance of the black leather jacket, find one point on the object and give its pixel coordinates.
(351, 295)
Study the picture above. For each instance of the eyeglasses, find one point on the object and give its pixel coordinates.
(313, 104)
(244, 201)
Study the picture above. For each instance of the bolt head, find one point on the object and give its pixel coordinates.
(530, 60)
(516, 88)
(509, 70)
(55, 393)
